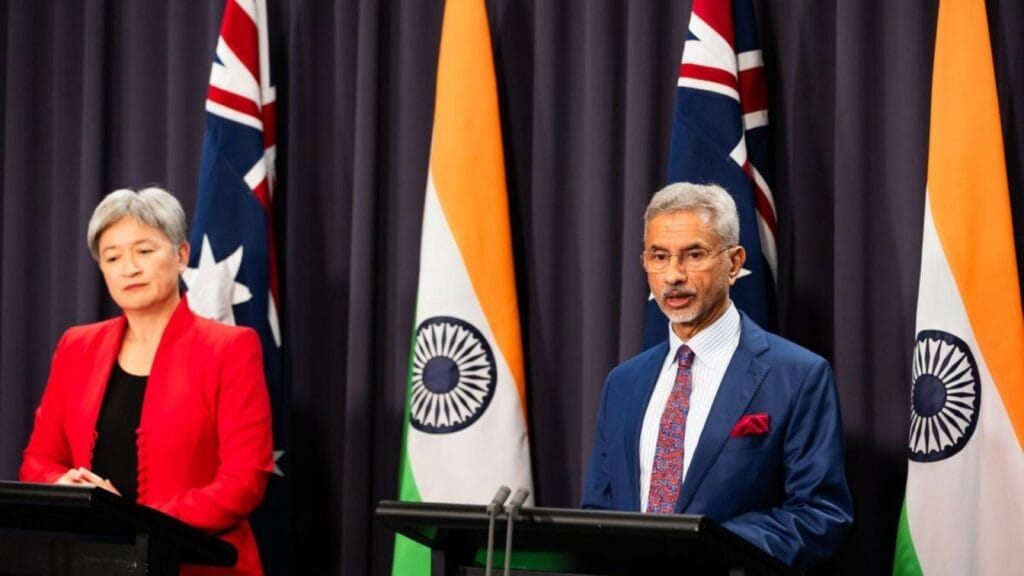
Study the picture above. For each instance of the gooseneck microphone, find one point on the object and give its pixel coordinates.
(492, 511)
(512, 510)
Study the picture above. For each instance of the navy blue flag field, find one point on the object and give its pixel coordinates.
(719, 136)
(232, 273)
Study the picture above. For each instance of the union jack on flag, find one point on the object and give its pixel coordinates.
(720, 136)
(232, 273)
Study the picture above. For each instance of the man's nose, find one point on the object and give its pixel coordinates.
(676, 272)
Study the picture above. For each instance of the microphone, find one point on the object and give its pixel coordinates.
(499, 499)
(513, 510)
(492, 511)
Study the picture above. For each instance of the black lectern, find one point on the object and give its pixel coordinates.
(578, 542)
(47, 529)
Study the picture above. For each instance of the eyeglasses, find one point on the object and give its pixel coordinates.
(693, 260)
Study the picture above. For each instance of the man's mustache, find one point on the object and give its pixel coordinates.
(677, 291)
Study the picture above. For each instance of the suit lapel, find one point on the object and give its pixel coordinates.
(169, 369)
(742, 379)
(103, 356)
(647, 378)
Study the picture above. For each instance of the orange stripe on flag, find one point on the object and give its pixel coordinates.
(468, 167)
(970, 195)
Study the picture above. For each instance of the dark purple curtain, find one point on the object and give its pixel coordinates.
(109, 93)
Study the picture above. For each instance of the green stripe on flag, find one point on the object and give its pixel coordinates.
(411, 558)
(905, 561)
(407, 490)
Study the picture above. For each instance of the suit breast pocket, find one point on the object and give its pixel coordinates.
(744, 443)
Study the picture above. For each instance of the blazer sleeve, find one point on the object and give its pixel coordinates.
(597, 487)
(817, 507)
(245, 444)
(48, 454)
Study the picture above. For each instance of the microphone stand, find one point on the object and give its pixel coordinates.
(492, 511)
(512, 509)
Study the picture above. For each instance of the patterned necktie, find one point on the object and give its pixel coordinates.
(667, 472)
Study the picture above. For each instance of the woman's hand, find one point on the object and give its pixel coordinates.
(86, 477)
(72, 477)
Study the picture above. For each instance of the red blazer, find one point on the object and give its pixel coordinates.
(204, 439)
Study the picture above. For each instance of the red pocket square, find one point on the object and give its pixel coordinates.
(751, 425)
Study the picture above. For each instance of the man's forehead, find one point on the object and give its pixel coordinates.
(677, 225)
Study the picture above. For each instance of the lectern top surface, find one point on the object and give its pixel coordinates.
(27, 506)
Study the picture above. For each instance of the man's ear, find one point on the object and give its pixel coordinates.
(737, 257)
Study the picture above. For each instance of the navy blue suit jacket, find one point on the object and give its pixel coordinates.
(784, 491)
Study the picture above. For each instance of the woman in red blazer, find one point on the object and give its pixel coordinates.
(188, 394)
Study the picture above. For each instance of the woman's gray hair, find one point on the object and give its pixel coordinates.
(152, 206)
(710, 200)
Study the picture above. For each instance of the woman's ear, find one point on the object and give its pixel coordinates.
(183, 253)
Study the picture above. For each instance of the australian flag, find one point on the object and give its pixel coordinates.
(232, 273)
(719, 136)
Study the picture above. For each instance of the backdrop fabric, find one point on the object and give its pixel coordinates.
(106, 94)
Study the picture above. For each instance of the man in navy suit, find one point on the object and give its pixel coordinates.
(723, 419)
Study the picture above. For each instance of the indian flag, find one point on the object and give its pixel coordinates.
(465, 423)
(964, 507)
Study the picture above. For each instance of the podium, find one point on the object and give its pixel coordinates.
(577, 542)
(47, 529)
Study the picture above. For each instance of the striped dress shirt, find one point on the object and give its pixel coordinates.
(713, 348)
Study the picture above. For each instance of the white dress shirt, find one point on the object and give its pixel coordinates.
(713, 348)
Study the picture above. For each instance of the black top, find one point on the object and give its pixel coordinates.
(116, 455)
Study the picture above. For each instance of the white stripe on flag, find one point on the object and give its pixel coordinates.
(711, 49)
(232, 114)
(685, 82)
(749, 59)
(755, 119)
(232, 75)
(465, 466)
(965, 524)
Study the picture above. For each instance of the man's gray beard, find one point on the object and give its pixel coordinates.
(681, 317)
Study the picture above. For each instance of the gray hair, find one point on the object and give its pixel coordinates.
(709, 200)
(152, 206)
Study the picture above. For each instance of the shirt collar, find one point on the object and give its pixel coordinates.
(712, 342)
